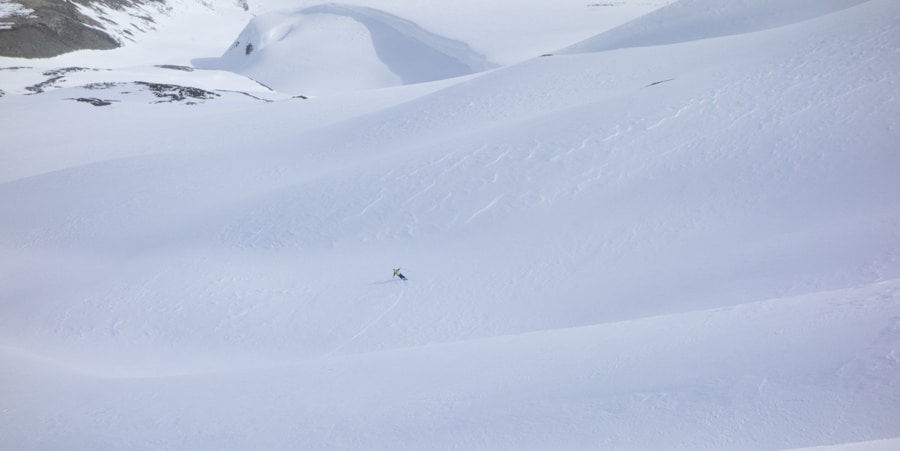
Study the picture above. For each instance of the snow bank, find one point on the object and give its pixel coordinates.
(329, 48)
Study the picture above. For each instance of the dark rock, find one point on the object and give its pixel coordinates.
(176, 93)
(55, 76)
(57, 27)
(174, 67)
(94, 101)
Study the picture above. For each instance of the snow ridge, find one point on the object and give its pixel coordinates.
(690, 20)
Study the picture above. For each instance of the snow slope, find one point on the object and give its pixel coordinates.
(677, 244)
(689, 20)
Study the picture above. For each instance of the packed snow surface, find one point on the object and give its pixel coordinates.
(678, 233)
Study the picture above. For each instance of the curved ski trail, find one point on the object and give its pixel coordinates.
(370, 324)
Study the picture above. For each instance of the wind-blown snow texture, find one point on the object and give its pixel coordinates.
(682, 233)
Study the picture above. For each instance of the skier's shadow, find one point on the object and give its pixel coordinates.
(385, 282)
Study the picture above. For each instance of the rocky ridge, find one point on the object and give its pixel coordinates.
(47, 28)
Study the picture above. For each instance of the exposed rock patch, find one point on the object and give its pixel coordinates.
(95, 101)
(174, 67)
(55, 75)
(52, 28)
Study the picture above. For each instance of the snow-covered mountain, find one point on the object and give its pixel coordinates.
(626, 225)
(41, 29)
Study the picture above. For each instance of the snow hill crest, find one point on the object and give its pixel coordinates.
(692, 20)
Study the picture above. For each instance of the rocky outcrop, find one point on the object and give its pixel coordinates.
(52, 28)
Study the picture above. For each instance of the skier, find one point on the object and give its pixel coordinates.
(397, 273)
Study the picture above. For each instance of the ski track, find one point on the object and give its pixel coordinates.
(371, 323)
(484, 209)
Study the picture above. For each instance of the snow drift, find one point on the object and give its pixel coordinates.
(328, 48)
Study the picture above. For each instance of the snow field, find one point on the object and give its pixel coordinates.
(686, 245)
